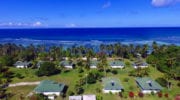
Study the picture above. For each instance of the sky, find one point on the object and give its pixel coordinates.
(89, 13)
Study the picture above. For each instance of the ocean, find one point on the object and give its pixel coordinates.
(90, 36)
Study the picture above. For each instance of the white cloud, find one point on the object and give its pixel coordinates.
(20, 24)
(37, 23)
(71, 25)
(106, 5)
(162, 3)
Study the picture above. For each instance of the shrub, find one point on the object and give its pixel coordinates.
(162, 81)
(80, 70)
(166, 95)
(178, 84)
(160, 94)
(70, 93)
(140, 94)
(126, 79)
(131, 94)
(152, 93)
(120, 94)
(18, 75)
(114, 71)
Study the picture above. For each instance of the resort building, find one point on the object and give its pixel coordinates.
(116, 64)
(89, 97)
(147, 85)
(50, 89)
(93, 64)
(67, 64)
(112, 85)
(140, 65)
(21, 64)
(84, 97)
(75, 97)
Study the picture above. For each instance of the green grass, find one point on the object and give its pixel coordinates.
(70, 79)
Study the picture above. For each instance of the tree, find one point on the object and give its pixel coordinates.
(6, 60)
(47, 69)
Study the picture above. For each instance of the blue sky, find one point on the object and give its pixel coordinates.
(89, 13)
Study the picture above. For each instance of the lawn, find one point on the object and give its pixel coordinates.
(70, 78)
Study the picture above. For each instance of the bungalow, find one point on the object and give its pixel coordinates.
(116, 64)
(147, 85)
(21, 64)
(50, 89)
(93, 64)
(89, 97)
(111, 85)
(75, 97)
(67, 64)
(140, 65)
(38, 65)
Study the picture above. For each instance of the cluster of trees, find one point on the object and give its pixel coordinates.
(166, 59)
(31, 52)
(5, 78)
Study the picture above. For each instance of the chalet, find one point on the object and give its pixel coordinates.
(140, 65)
(75, 97)
(89, 97)
(147, 85)
(116, 64)
(84, 97)
(21, 64)
(111, 85)
(67, 64)
(50, 89)
(93, 64)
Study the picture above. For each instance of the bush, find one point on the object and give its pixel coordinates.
(18, 75)
(160, 94)
(140, 94)
(80, 70)
(120, 94)
(70, 93)
(178, 84)
(47, 69)
(166, 95)
(114, 71)
(131, 94)
(162, 81)
(126, 79)
(131, 88)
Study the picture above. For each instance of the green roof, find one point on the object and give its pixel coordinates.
(116, 63)
(147, 83)
(49, 86)
(93, 63)
(112, 84)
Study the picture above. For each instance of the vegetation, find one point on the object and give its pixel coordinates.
(164, 67)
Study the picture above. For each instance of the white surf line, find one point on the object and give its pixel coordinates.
(24, 84)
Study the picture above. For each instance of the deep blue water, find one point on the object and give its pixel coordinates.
(93, 36)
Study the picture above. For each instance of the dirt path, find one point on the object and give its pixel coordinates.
(23, 84)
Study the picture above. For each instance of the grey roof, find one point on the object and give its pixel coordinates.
(49, 86)
(21, 63)
(147, 83)
(93, 63)
(140, 64)
(116, 63)
(112, 84)
(66, 63)
(75, 97)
